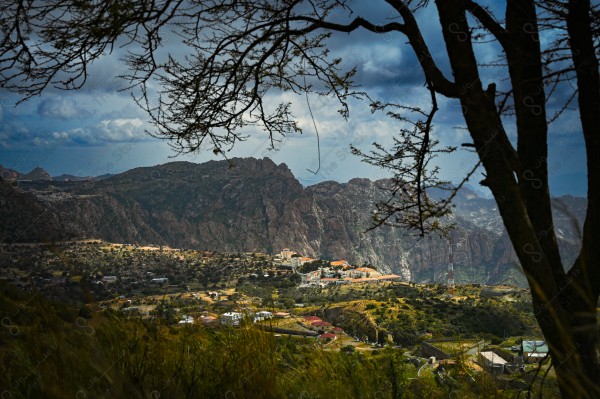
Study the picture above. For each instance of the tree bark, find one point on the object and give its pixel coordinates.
(522, 195)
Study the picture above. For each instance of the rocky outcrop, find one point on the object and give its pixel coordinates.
(256, 205)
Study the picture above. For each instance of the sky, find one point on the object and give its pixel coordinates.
(99, 129)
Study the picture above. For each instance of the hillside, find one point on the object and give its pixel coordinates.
(259, 206)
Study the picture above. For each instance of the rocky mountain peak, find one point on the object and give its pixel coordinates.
(259, 206)
(37, 174)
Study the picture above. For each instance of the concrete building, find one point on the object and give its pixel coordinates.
(492, 362)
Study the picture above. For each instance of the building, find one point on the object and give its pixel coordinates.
(328, 272)
(282, 315)
(299, 261)
(327, 337)
(159, 280)
(286, 254)
(311, 319)
(492, 362)
(364, 272)
(263, 315)
(321, 326)
(340, 264)
(186, 320)
(109, 279)
(311, 277)
(534, 351)
(231, 318)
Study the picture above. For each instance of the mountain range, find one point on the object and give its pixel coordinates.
(255, 205)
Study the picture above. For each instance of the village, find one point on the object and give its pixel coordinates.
(286, 294)
(334, 272)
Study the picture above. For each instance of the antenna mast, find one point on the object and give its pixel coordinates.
(450, 275)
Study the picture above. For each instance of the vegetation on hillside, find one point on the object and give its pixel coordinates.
(52, 350)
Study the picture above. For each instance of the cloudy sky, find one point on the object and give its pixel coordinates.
(99, 129)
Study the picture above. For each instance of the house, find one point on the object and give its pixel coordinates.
(534, 351)
(109, 279)
(364, 272)
(492, 362)
(308, 320)
(311, 277)
(287, 254)
(327, 337)
(263, 315)
(300, 260)
(282, 315)
(186, 320)
(321, 325)
(231, 318)
(328, 272)
(159, 280)
(338, 330)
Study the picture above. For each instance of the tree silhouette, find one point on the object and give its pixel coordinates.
(240, 50)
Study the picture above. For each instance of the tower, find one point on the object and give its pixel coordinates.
(450, 275)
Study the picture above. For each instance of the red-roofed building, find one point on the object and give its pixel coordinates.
(321, 326)
(337, 330)
(312, 318)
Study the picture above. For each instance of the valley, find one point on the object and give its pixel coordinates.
(102, 288)
(254, 205)
(220, 269)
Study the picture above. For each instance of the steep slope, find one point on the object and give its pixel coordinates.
(257, 205)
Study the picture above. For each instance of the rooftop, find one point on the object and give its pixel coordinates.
(327, 335)
(535, 347)
(492, 357)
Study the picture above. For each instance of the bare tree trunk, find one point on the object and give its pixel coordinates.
(562, 309)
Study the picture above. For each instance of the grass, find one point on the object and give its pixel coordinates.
(50, 351)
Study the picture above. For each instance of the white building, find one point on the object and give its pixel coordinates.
(231, 318)
(311, 277)
(286, 254)
(186, 320)
(262, 315)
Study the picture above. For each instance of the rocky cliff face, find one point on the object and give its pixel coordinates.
(260, 206)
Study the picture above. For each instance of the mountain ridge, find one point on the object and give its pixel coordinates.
(260, 206)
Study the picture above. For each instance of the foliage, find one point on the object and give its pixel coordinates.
(109, 356)
(240, 51)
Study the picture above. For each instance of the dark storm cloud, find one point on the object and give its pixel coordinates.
(101, 114)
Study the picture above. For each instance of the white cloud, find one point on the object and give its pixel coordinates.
(120, 130)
